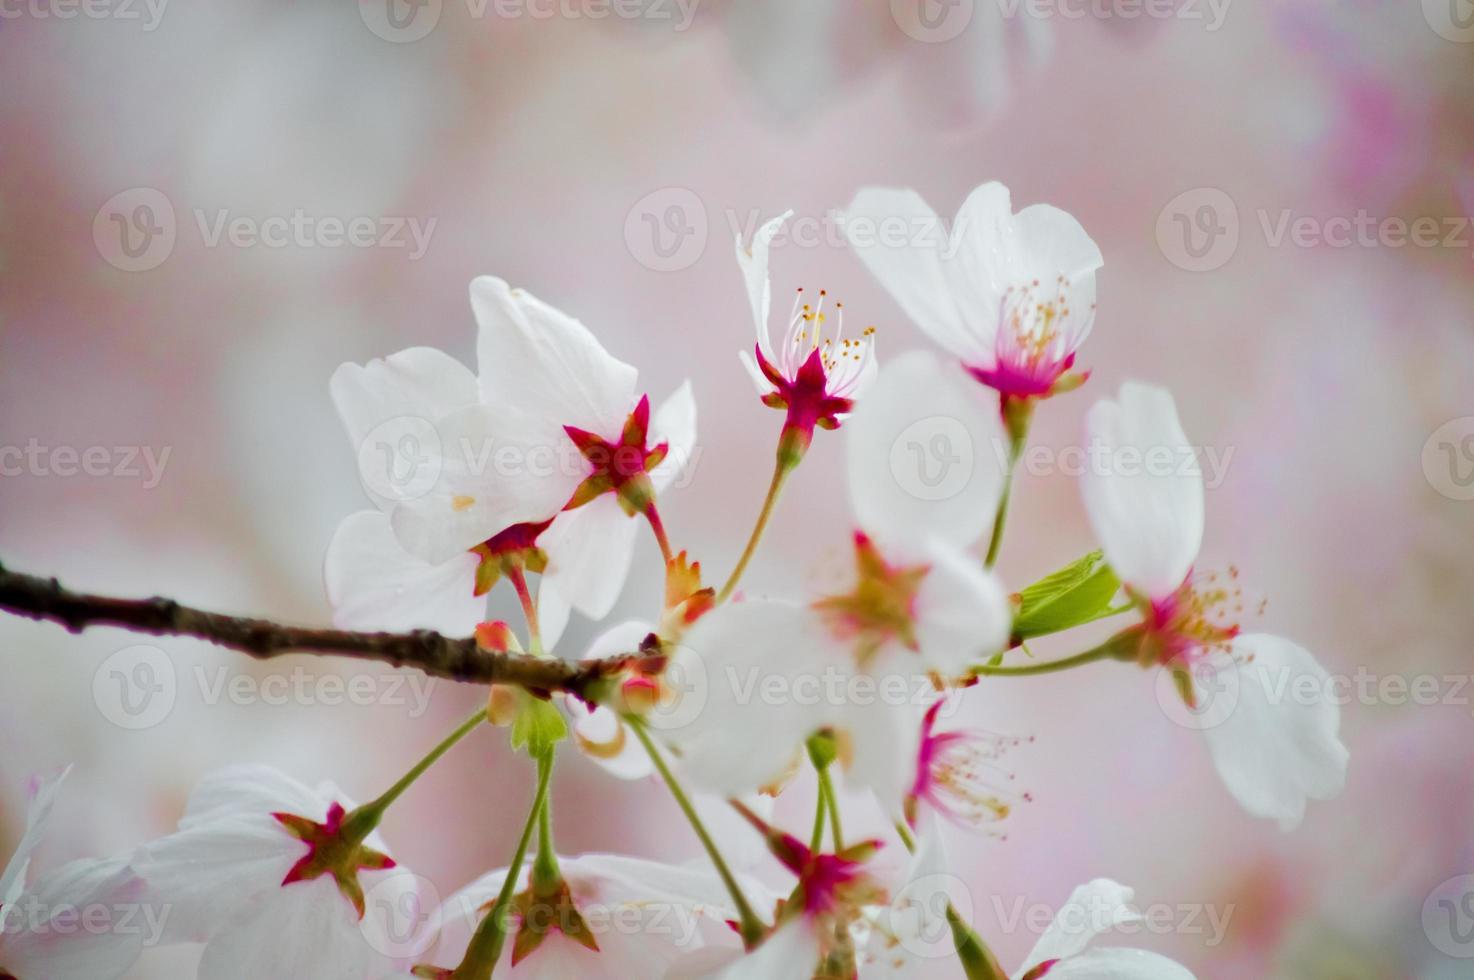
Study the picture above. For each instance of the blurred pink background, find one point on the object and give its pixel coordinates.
(541, 148)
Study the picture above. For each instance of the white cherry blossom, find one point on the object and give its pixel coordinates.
(814, 372)
(43, 932)
(491, 463)
(1011, 295)
(263, 871)
(1064, 951)
(1273, 750)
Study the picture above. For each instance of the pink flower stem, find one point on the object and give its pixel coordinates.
(652, 514)
(529, 608)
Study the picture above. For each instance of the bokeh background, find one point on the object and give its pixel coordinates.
(606, 163)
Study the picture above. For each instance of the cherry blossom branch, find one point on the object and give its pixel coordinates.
(439, 656)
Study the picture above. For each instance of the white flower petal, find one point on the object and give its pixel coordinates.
(207, 872)
(306, 929)
(791, 953)
(883, 731)
(1279, 747)
(374, 584)
(912, 930)
(492, 467)
(38, 814)
(674, 423)
(761, 694)
(250, 791)
(759, 380)
(1146, 504)
(902, 242)
(1092, 909)
(1053, 242)
(539, 359)
(43, 940)
(418, 383)
(604, 738)
(985, 261)
(600, 734)
(753, 261)
(962, 612)
(925, 452)
(589, 551)
(1119, 964)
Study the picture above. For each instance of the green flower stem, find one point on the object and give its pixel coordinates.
(367, 817)
(491, 935)
(545, 872)
(978, 961)
(816, 839)
(751, 926)
(1105, 651)
(784, 466)
(529, 609)
(1018, 413)
(827, 796)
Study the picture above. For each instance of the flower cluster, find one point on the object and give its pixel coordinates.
(547, 461)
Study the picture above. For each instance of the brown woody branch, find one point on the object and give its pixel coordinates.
(439, 656)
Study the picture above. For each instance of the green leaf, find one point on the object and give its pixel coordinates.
(1079, 593)
(539, 727)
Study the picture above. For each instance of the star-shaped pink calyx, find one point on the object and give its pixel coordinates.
(622, 467)
(334, 847)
